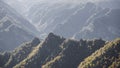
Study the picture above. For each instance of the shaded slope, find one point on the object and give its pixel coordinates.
(4, 57)
(21, 53)
(58, 52)
(43, 52)
(71, 51)
(106, 57)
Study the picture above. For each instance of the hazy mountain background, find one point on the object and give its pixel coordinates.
(14, 28)
(59, 34)
(58, 16)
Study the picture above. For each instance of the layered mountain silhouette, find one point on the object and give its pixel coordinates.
(106, 27)
(76, 20)
(59, 18)
(59, 52)
(59, 34)
(14, 28)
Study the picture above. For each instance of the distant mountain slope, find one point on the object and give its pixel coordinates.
(12, 36)
(113, 4)
(77, 20)
(19, 20)
(60, 17)
(106, 27)
(14, 28)
(106, 57)
(50, 15)
(67, 18)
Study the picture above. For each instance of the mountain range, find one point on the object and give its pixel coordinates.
(59, 52)
(59, 34)
(106, 26)
(60, 16)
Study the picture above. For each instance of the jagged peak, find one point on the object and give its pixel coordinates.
(52, 36)
(35, 41)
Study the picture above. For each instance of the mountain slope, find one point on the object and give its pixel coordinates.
(11, 36)
(19, 20)
(106, 27)
(78, 19)
(4, 57)
(14, 28)
(43, 52)
(54, 47)
(21, 53)
(72, 50)
(106, 57)
(59, 16)
(58, 52)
